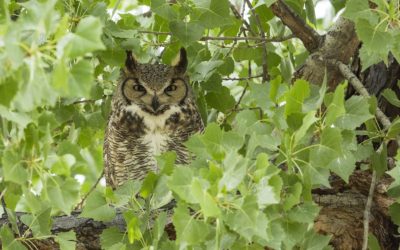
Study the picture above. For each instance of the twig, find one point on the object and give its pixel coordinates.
(79, 206)
(310, 38)
(240, 17)
(241, 78)
(225, 38)
(262, 34)
(367, 210)
(84, 101)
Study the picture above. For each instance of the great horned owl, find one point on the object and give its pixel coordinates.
(153, 110)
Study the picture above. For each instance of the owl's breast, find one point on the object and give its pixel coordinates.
(157, 132)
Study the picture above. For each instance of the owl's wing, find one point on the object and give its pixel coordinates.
(108, 167)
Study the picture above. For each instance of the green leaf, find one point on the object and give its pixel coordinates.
(336, 107)
(85, 39)
(123, 194)
(359, 9)
(189, 230)
(248, 220)
(269, 190)
(133, 228)
(234, 171)
(295, 97)
(391, 97)
(344, 165)
(259, 93)
(308, 121)
(63, 194)
(208, 204)
(304, 213)
(186, 32)
(293, 196)
(394, 129)
(374, 38)
(373, 243)
(222, 100)
(332, 138)
(8, 90)
(149, 183)
(394, 211)
(216, 15)
(66, 240)
(80, 79)
(97, 208)
(181, 183)
(39, 223)
(12, 167)
(8, 241)
(112, 238)
(379, 160)
(357, 112)
(163, 9)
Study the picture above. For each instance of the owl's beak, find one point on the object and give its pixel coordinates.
(155, 104)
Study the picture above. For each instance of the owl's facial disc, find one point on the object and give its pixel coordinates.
(155, 100)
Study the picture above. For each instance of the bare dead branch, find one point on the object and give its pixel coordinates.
(367, 211)
(310, 38)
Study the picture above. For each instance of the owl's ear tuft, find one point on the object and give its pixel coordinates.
(181, 62)
(130, 62)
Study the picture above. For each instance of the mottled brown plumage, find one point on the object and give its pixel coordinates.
(153, 111)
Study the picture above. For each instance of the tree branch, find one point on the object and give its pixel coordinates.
(310, 38)
(225, 38)
(241, 78)
(367, 210)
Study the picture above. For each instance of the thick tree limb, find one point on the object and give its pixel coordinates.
(340, 44)
(310, 38)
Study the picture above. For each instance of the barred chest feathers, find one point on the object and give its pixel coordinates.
(156, 134)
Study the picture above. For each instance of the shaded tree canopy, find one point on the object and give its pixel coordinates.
(301, 110)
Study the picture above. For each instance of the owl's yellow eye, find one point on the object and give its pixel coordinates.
(170, 88)
(139, 88)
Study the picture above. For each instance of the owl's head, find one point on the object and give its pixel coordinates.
(155, 87)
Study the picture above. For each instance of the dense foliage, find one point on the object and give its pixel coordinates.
(266, 146)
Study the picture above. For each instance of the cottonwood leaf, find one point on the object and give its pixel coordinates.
(63, 194)
(85, 39)
(295, 97)
(97, 208)
(248, 221)
(181, 183)
(189, 230)
(357, 112)
(186, 32)
(66, 240)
